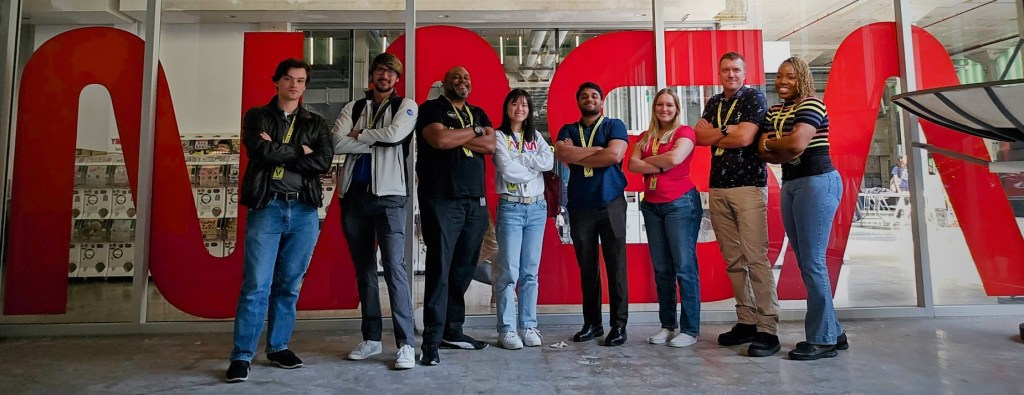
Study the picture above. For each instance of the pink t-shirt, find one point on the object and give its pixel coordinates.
(674, 182)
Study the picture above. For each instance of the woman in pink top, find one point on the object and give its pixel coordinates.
(672, 212)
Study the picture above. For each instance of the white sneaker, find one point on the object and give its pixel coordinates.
(365, 350)
(682, 340)
(532, 337)
(406, 358)
(661, 337)
(510, 341)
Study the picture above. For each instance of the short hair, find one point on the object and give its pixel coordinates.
(731, 55)
(389, 60)
(288, 64)
(589, 85)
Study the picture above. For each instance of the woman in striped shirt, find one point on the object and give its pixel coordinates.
(795, 135)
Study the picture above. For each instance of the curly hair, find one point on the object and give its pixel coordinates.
(805, 87)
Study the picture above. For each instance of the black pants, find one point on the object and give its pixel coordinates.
(606, 225)
(368, 221)
(453, 230)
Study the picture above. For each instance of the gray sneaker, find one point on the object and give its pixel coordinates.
(365, 350)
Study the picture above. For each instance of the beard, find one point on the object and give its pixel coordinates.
(382, 90)
(588, 113)
(455, 94)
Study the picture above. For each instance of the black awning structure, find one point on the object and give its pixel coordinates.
(992, 110)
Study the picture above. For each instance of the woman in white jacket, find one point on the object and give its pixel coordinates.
(521, 156)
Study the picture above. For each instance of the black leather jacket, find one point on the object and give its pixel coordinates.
(310, 130)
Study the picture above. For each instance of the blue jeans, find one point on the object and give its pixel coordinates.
(520, 234)
(279, 241)
(808, 207)
(672, 229)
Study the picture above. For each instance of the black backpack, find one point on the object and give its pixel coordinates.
(394, 103)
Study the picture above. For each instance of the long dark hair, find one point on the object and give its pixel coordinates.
(529, 133)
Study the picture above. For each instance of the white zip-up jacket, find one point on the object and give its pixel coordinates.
(388, 162)
(521, 168)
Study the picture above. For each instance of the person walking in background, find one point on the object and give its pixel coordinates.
(795, 134)
(672, 213)
(520, 157)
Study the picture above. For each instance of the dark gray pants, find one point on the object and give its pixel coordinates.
(452, 231)
(605, 226)
(369, 220)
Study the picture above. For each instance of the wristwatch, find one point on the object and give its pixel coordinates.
(479, 130)
(725, 130)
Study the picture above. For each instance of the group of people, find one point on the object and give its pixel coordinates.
(289, 147)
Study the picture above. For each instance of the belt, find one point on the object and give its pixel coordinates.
(286, 196)
(523, 200)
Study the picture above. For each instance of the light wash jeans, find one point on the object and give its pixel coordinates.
(520, 233)
(808, 208)
(672, 229)
(279, 241)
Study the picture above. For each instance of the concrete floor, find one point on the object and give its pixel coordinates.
(897, 356)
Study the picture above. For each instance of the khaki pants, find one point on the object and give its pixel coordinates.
(739, 217)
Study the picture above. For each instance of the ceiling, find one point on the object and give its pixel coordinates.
(814, 28)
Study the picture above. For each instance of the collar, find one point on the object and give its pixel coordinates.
(739, 93)
(299, 110)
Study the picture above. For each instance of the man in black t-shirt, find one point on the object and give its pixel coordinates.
(738, 199)
(452, 138)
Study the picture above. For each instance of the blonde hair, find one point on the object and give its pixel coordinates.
(655, 128)
(805, 85)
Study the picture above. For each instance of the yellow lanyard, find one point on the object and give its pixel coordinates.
(463, 123)
(380, 112)
(655, 143)
(511, 186)
(780, 121)
(588, 171)
(279, 170)
(721, 122)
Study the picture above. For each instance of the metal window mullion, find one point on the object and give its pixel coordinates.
(411, 241)
(916, 160)
(659, 43)
(11, 29)
(147, 142)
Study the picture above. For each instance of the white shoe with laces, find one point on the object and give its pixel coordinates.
(365, 350)
(406, 358)
(510, 341)
(532, 337)
(661, 337)
(682, 340)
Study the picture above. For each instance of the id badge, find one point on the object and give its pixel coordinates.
(467, 152)
(512, 187)
(719, 151)
(278, 173)
(588, 172)
(483, 202)
(653, 183)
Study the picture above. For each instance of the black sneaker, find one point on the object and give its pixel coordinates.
(764, 344)
(842, 343)
(463, 342)
(429, 355)
(238, 371)
(739, 334)
(285, 359)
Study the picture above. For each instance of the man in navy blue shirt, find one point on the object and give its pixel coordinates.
(593, 148)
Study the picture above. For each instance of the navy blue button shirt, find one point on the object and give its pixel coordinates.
(607, 183)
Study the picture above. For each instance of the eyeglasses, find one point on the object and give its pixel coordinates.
(384, 70)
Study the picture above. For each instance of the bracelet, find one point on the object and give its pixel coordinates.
(764, 143)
